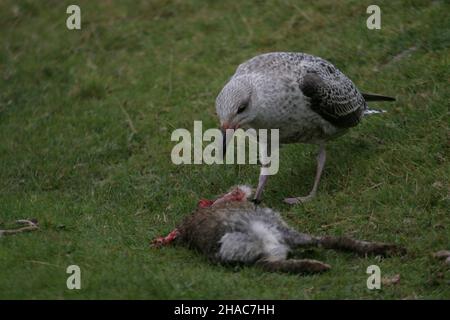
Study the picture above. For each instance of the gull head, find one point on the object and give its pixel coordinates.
(234, 104)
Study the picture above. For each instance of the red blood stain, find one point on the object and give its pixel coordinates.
(162, 241)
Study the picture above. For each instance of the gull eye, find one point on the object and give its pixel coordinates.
(242, 108)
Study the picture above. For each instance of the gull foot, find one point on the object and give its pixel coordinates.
(256, 201)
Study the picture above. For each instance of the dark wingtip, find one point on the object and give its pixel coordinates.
(377, 97)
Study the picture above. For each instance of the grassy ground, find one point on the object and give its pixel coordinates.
(85, 124)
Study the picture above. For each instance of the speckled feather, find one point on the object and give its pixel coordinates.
(304, 96)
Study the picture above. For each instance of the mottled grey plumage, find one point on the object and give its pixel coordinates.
(307, 98)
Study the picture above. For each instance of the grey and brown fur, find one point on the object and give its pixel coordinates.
(240, 232)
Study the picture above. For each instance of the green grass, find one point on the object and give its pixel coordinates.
(102, 190)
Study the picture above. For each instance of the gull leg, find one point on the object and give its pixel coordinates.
(263, 173)
(321, 158)
(259, 190)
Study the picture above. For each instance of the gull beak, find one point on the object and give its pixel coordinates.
(225, 126)
(224, 141)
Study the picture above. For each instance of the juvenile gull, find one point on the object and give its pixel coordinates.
(307, 98)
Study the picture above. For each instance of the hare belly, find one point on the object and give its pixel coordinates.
(260, 241)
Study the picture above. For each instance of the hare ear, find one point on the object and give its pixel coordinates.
(205, 203)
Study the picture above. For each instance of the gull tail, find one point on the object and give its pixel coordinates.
(369, 112)
(376, 97)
